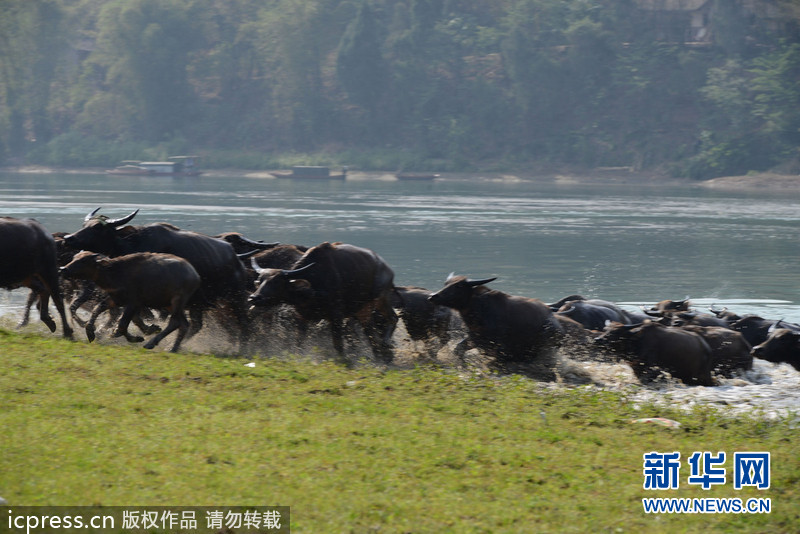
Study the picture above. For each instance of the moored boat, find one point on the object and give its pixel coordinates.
(416, 176)
(303, 172)
(179, 166)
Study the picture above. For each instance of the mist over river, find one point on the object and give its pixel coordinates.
(630, 244)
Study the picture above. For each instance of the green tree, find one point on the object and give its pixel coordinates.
(360, 65)
(145, 47)
(32, 44)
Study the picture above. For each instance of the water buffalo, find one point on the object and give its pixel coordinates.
(593, 314)
(730, 351)
(28, 259)
(650, 347)
(756, 329)
(725, 314)
(241, 244)
(138, 281)
(782, 345)
(334, 282)
(224, 281)
(671, 306)
(506, 327)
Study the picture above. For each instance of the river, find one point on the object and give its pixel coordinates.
(630, 244)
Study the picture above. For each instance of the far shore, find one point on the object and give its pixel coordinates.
(603, 175)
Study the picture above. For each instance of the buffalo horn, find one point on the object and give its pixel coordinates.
(123, 220)
(256, 267)
(480, 282)
(295, 272)
(91, 214)
(245, 255)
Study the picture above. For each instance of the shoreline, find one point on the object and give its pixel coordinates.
(599, 176)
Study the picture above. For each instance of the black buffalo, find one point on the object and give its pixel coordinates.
(28, 259)
(651, 347)
(593, 314)
(508, 328)
(671, 306)
(242, 244)
(782, 345)
(224, 281)
(756, 329)
(139, 281)
(334, 282)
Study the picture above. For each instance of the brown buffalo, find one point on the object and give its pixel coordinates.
(139, 281)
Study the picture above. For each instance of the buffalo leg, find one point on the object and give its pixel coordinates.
(88, 291)
(50, 282)
(177, 321)
(33, 298)
(337, 336)
(124, 322)
(462, 347)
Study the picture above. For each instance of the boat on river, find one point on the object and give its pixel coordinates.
(176, 166)
(416, 176)
(303, 172)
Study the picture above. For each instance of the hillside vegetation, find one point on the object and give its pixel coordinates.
(700, 89)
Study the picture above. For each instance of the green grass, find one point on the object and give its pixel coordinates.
(366, 449)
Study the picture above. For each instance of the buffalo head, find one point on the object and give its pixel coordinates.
(457, 291)
(98, 232)
(275, 286)
(783, 345)
(84, 266)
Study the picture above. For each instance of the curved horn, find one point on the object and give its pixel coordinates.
(244, 255)
(256, 267)
(122, 220)
(295, 272)
(91, 214)
(474, 283)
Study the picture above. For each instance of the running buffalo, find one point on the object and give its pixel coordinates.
(650, 347)
(139, 281)
(28, 259)
(730, 351)
(222, 274)
(506, 327)
(334, 282)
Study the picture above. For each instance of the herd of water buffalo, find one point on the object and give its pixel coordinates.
(131, 271)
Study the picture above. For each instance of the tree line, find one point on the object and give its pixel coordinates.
(444, 83)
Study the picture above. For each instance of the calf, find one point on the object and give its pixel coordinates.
(138, 281)
(650, 346)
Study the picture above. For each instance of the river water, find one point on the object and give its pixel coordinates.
(630, 244)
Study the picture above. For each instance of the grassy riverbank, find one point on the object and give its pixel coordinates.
(421, 450)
